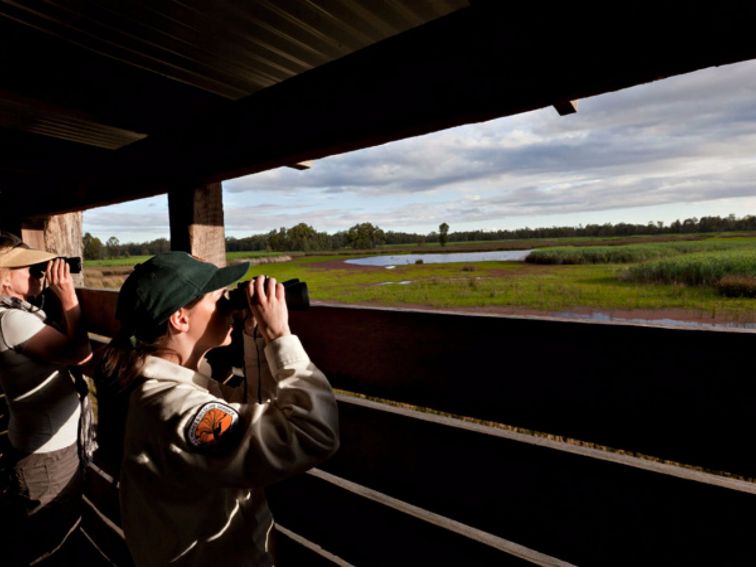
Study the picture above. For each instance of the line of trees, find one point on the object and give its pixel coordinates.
(730, 223)
(95, 249)
(303, 237)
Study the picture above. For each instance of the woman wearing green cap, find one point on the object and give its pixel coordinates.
(44, 493)
(197, 453)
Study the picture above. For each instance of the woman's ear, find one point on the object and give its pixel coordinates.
(4, 279)
(179, 320)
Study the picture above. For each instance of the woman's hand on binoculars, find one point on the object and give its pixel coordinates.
(58, 276)
(269, 307)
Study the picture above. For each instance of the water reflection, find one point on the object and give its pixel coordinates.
(662, 322)
(442, 258)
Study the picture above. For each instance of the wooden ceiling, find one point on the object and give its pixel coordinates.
(107, 101)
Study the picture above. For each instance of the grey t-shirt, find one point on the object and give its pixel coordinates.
(43, 403)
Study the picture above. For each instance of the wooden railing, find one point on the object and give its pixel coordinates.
(476, 440)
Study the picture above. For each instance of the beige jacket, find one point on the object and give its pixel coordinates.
(196, 455)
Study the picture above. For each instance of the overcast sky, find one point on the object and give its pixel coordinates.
(673, 149)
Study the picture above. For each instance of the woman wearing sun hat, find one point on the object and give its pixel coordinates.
(44, 494)
(197, 453)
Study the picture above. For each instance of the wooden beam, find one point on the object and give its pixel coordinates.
(566, 107)
(302, 165)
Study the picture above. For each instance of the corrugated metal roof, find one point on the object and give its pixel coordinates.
(229, 48)
(20, 114)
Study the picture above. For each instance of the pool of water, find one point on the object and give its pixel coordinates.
(401, 259)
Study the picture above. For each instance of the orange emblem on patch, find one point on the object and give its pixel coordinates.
(212, 421)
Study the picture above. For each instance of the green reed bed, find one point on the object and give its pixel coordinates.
(634, 253)
(599, 254)
(700, 269)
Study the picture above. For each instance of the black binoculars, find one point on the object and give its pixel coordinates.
(297, 295)
(74, 263)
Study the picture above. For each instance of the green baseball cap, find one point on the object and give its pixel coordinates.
(165, 283)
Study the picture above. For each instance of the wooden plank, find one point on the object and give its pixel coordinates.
(365, 532)
(290, 548)
(674, 393)
(100, 489)
(105, 535)
(568, 505)
(508, 547)
(90, 553)
(102, 517)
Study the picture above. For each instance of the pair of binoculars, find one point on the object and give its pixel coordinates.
(297, 294)
(74, 263)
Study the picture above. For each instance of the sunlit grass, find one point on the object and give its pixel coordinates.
(506, 284)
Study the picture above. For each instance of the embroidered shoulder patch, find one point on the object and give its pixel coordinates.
(214, 423)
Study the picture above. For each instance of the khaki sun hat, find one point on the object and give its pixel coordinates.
(21, 255)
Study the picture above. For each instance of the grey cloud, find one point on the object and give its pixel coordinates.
(126, 221)
(636, 145)
(642, 192)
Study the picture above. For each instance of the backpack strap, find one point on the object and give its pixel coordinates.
(3, 310)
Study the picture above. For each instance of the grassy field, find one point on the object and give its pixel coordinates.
(648, 276)
(486, 285)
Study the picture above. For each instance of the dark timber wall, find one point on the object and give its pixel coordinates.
(559, 483)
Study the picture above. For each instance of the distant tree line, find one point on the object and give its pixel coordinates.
(95, 249)
(688, 226)
(303, 237)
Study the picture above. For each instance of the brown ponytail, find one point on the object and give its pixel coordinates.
(117, 374)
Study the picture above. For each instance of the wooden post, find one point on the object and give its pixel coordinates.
(60, 234)
(196, 219)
